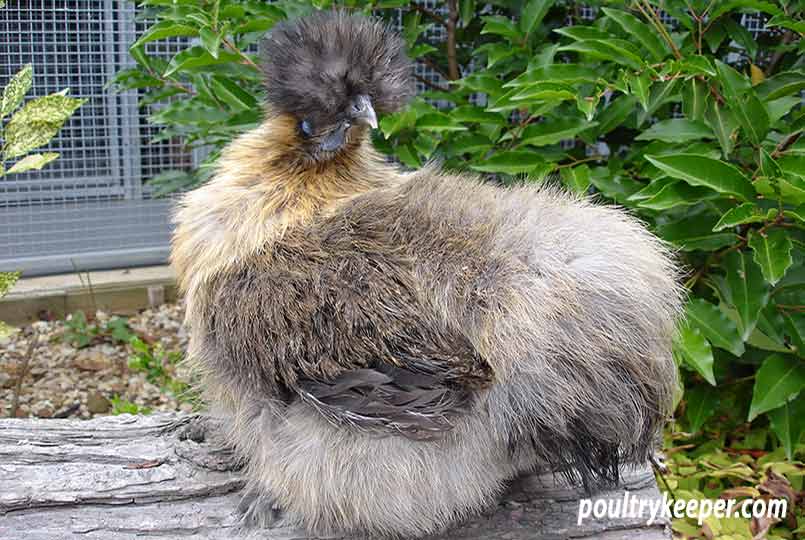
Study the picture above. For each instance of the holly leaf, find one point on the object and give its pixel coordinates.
(778, 381)
(772, 251)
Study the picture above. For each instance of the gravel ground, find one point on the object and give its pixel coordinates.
(67, 382)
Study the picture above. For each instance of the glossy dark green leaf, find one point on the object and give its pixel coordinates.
(788, 423)
(661, 93)
(724, 125)
(163, 30)
(558, 73)
(695, 99)
(533, 13)
(613, 50)
(695, 351)
(749, 291)
(677, 193)
(782, 84)
(545, 133)
(502, 26)
(701, 405)
(719, 329)
(704, 171)
(778, 381)
(439, 122)
(772, 251)
(676, 130)
(741, 214)
(642, 32)
(510, 162)
(576, 178)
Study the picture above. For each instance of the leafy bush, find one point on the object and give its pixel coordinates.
(693, 123)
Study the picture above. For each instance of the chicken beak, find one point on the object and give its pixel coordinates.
(363, 112)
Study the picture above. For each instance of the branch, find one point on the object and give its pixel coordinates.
(430, 84)
(452, 58)
(244, 56)
(431, 14)
(785, 144)
(655, 20)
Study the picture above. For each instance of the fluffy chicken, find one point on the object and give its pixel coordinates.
(386, 348)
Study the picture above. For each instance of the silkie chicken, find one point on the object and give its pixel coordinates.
(387, 348)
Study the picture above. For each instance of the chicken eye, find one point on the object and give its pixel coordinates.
(306, 128)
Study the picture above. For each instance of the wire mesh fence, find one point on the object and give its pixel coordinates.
(91, 208)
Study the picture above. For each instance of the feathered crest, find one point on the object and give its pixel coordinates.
(315, 65)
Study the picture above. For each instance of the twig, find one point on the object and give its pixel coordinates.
(231, 46)
(655, 20)
(431, 14)
(785, 144)
(778, 55)
(452, 58)
(434, 66)
(26, 361)
(430, 84)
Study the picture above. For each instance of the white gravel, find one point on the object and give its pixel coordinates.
(62, 381)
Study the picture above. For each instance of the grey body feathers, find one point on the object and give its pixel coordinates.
(387, 365)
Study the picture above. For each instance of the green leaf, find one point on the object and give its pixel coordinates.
(495, 52)
(695, 233)
(695, 350)
(614, 50)
(640, 87)
(502, 26)
(545, 133)
(772, 252)
(476, 115)
(231, 93)
(439, 122)
(695, 97)
(211, 40)
(701, 404)
(753, 116)
(545, 91)
(392, 124)
(749, 292)
(704, 171)
(36, 123)
(788, 423)
(576, 178)
(719, 329)
(15, 90)
(734, 85)
(743, 213)
(7, 280)
(778, 381)
(195, 57)
(780, 85)
(557, 73)
(676, 130)
(511, 162)
(33, 162)
(659, 95)
(723, 125)
(640, 31)
(164, 29)
(533, 13)
(677, 193)
(614, 114)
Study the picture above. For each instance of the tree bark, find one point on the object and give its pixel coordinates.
(134, 476)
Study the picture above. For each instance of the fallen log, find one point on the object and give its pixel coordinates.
(142, 476)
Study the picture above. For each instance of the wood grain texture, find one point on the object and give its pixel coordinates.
(134, 477)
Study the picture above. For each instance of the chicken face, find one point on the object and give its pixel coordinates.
(333, 72)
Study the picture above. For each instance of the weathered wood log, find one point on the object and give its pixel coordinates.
(126, 476)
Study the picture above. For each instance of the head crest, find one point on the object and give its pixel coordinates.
(316, 65)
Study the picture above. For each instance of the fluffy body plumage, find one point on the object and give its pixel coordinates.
(389, 348)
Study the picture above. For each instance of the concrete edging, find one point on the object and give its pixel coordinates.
(114, 291)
